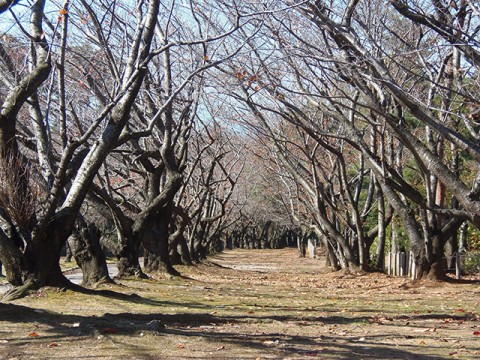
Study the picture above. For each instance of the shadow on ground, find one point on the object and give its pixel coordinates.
(62, 327)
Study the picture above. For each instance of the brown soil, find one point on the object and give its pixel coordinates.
(248, 304)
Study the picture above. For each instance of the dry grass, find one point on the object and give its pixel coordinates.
(257, 304)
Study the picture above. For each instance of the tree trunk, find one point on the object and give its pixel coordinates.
(301, 245)
(39, 264)
(265, 238)
(16, 267)
(380, 263)
(198, 248)
(432, 269)
(126, 251)
(179, 252)
(183, 251)
(127, 260)
(155, 244)
(451, 248)
(85, 245)
(331, 260)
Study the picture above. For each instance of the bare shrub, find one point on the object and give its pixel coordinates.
(19, 193)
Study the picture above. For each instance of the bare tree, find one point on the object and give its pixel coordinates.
(118, 64)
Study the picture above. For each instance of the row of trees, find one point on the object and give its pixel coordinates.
(106, 132)
(132, 122)
(371, 112)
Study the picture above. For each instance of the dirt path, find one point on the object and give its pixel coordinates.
(256, 304)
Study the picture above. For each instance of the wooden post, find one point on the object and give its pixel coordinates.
(414, 270)
(397, 264)
(389, 264)
(410, 258)
(395, 269)
(407, 263)
(402, 264)
(458, 265)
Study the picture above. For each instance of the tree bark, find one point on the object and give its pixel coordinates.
(380, 263)
(433, 269)
(155, 243)
(85, 244)
(125, 248)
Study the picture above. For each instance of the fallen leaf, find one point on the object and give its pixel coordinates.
(477, 333)
(53, 344)
(180, 346)
(221, 348)
(33, 334)
(109, 330)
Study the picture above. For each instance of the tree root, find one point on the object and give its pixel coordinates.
(18, 292)
(100, 282)
(134, 274)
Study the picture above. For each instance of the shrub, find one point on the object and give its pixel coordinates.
(471, 263)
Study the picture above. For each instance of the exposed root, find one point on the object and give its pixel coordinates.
(100, 282)
(134, 275)
(18, 292)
